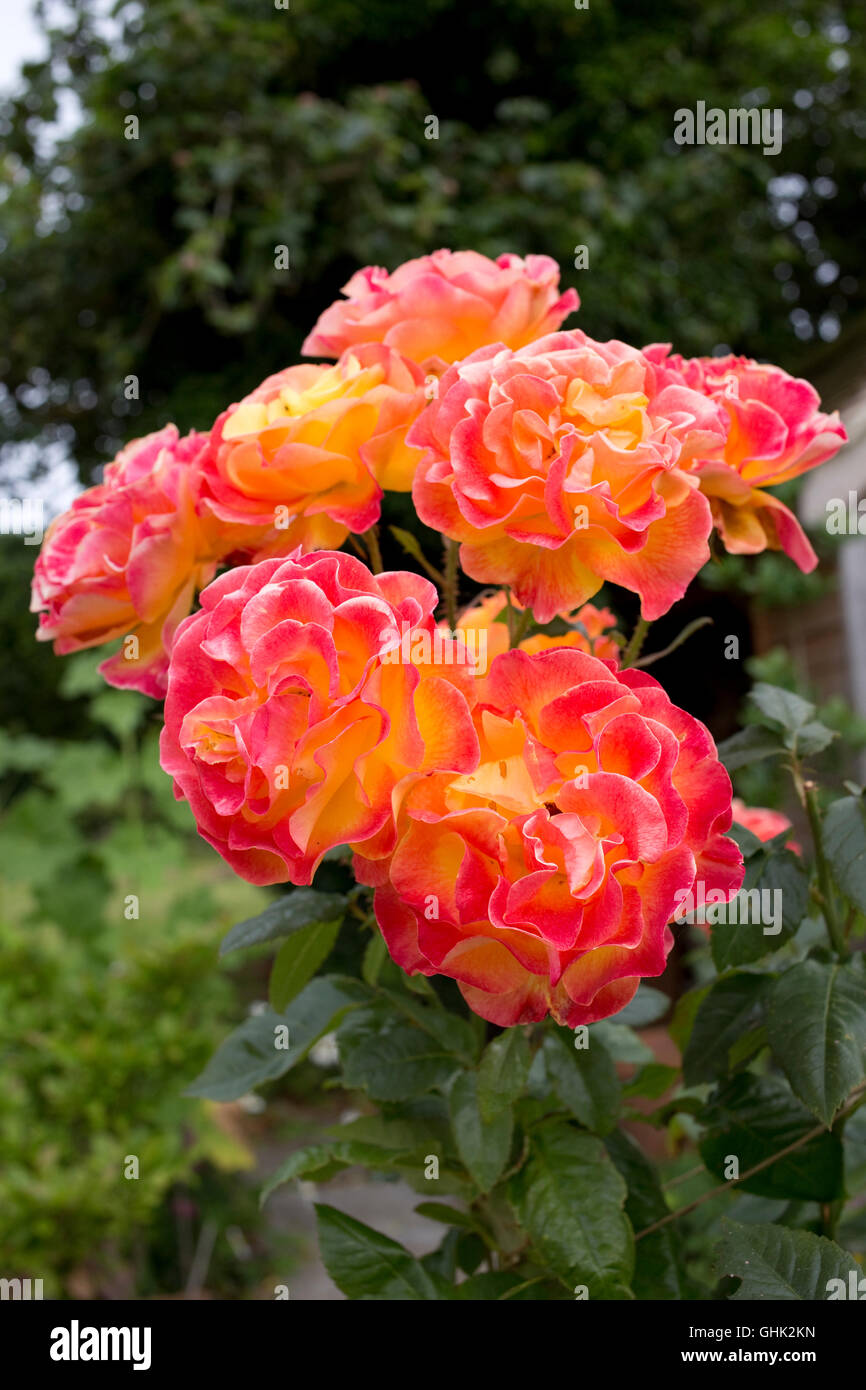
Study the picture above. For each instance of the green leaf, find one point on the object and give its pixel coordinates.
(817, 1031)
(569, 1197)
(483, 1145)
(752, 1118)
(399, 1064)
(448, 1216)
(648, 1006)
(622, 1042)
(324, 1161)
(291, 912)
(747, 1046)
(732, 1007)
(585, 1079)
(746, 840)
(502, 1072)
(782, 706)
(454, 1034)
(659, 1266)
(783, 1264)
(752, 927)
(298, 959)
(375, 954)
(364, 1264)
(652, 1081)
(415, 1132)
(255, 1052)
(685, 1013)
(844, 836)
(814, 738)
(749, 745)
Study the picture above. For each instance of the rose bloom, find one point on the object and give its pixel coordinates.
(543, 881)
(486, 632)
(303, 459)
(563, 465)
(126, 560)
(763, 822)
(777, 432)
(288, 720)
(439, 308)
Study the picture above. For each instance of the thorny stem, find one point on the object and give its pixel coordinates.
(808, 795)
(450, 585)
(687, 632)
(519, 621)
(636, 641)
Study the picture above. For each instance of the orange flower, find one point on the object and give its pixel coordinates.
(776, 431)
(303, 459)
(126, 560)
(561, 466)
(439, 308)
(291, 716)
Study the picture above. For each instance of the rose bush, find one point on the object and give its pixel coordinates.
(497, 808)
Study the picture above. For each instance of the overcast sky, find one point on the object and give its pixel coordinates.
(22, 41)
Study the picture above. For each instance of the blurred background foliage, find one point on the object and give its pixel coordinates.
(305, 127)
(110, 1004)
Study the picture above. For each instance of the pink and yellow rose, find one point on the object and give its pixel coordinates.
(291, 716)
(563, 465)
(439, 308)
(776, 431)
(303, 459)
(126, 559)
(544, 879)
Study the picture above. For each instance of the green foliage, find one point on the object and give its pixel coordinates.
(366, 1264)
(584, 1079)
(288, 914)
(816, 1025)
(742, 935)
(833, 733)
(570, 1199)
(109, 1005)
(751, 1119)
(772, 1262)
(94, 1060)
(268, 1044)
(845, 847)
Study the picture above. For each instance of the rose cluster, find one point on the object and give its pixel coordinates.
(528, 812)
